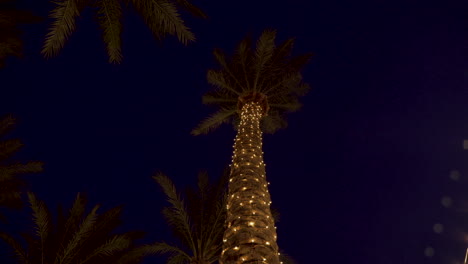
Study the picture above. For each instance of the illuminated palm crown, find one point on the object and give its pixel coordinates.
(161, 16)
(266, 74)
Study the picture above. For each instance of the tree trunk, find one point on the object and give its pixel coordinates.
(250, 235)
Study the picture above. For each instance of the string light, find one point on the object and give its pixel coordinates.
(250, 237)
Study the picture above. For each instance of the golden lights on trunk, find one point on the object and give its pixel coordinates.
(250, 236)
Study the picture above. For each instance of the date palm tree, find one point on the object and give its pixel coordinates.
(11, 184)
(161, 16)
(197, 221)
(253, 89)
(77, 237)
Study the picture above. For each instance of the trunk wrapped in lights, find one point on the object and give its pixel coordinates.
(250, 236)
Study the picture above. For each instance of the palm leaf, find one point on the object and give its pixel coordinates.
(19, 168)
(116, 244)
(74, 216)
(283, 51)
(191, 8)
(108, 221)
(83, 232)
(9, 147)
(272, 123)
(226, 68)
(64, 15)
(220, 80)
(136, 254)
(288, 106)
(214, 121)
(176, 215)
(264, 52)
(109, 18)
(218, 99)
(178, 259)
(243, 57)
(162, 18)
(18, 250)
(42, 221)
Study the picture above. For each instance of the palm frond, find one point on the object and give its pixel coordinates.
(191, 8)
(243, 56)
(226, 68)
(64, 15)
(42, 221)
(215, 233)
(9, 147)
(288, 106)
(272, 123)
(116, 244)
(20, 168)
(214, 121)
(41, 217)
(109, 18)
(108, 220)
(135, 255)
(178, 259)
(176, 215)
(218, 79)
(283, 51)
(162, 18)
(264, 52)
(74, 217)
(82, 234)
(18, 250)
(216, 99)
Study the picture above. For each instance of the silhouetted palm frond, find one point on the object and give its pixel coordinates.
(161, 16)
(77, 237)
(109, 17)
(176, 215)
(64, 16)
(205, 214)
(214, 121)
(11, 43)
(11, 182)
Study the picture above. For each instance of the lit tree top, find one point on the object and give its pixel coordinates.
(266, 73)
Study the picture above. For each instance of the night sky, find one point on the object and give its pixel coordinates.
(357, 176)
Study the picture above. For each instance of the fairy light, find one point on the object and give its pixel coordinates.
(249, 236)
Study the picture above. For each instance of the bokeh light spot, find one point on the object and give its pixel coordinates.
(438, 228)
(446, 201)
(429, 252)
(455, 175)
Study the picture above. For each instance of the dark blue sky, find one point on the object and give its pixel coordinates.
(357, 176)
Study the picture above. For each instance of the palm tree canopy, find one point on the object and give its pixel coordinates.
(161, 16)
(11, 184)
(266, 73)
(198, 223)
(77, 237)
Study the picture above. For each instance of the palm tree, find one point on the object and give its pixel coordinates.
(161, 16)
(199, 226)
(11, 184)
(77, 238)
(10, 35)
(254, 89)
